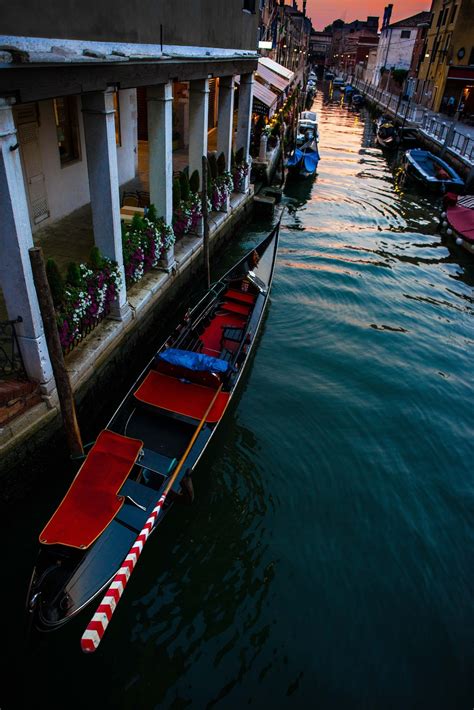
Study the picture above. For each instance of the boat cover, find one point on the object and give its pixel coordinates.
(310, 161)
(92, 500)
(294, 158)
(198, 362)
(461, 219)
(181, 397)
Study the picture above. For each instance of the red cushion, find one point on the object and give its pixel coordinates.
(187, 399)
(91, 502)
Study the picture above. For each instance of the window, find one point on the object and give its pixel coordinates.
(118, 136)
(405, 34)
(249, 6)
(445, 15)
(453, 14)
(67, 129)
(471, 56)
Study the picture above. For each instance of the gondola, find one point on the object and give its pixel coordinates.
(433, 172)
(302, 162)
(307, 128)
(358, 100)
(157, 436)
(386, 133)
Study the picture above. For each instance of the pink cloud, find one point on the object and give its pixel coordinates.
(324, 12)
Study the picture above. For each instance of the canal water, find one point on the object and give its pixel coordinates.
(327, 561)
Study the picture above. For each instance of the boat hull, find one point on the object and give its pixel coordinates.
(425, 168)
(66, 580)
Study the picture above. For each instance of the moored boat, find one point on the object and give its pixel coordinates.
(307, 128)
(431, 171)
(302, 162)
(144, 459)
(458, 219)
(386, 133)
(358, 100)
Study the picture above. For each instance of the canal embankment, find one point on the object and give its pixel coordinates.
(101, 363)
(444, 136)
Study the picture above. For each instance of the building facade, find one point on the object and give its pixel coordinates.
(446, 74)
(396, 47)
(69, 122)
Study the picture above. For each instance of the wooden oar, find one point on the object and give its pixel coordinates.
(95, 630)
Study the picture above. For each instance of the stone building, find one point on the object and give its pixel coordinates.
(70, 74)
(447, 68)
(396, 47)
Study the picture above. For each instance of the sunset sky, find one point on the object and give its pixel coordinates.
(323, 12)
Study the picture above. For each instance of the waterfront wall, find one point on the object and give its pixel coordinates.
(434, 130)
(104, 365)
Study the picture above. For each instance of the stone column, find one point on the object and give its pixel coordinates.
(198, 119)
(99, 128)
(244, 120)
(16, 277)
(160, 144)
(225, 118)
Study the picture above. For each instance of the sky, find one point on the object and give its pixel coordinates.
(323, 12)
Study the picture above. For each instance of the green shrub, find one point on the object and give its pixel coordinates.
(232, 159)
(73, 277)
(151, 213)
(221, 164)
(194, 181)
(239, 156)
(176, 193)
(55, 282)
(184, 185)
(212, 165)
(95, 258)
(137, 222)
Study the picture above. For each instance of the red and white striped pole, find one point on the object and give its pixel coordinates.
(95, 630)
(92, 636)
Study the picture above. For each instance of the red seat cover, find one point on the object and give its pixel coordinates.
(91, 502)
(187, 399)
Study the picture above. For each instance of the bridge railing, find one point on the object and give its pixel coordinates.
(432, 125)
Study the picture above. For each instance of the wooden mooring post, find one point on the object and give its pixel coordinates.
(205, 220)
(63, 384)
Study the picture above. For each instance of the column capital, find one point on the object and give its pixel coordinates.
(195, 89)
(247, 78)
(160, 92)
(7, 124)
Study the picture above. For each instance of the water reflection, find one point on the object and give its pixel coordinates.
(331, 538)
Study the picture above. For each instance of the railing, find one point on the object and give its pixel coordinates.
(434, 126)
(11, 361)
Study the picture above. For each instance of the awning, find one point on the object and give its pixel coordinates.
(264, 100)
(267, 76)
(459, 73)
(277, 68)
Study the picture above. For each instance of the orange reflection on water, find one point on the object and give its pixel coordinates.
(333, 268)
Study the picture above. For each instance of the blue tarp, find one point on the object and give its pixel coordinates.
(294, 158)
(199, 362)
(310, 161)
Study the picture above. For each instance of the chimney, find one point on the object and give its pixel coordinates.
(304, 8)
(387, 14)
(295, 4)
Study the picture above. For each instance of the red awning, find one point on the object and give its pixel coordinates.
(264, 96)
(267, 76)
(461, 74)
